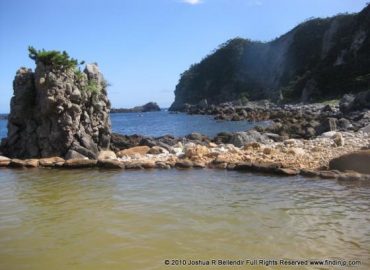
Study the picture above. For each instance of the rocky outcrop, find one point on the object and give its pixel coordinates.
(149, 107)
(295, 120)
(358, 102)
(58, 112)
(318, 59)
(358, 161)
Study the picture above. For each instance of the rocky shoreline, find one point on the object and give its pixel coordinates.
(60, 118)
(315, 158)
(351, 113)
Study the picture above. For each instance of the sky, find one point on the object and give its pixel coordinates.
(142, 46)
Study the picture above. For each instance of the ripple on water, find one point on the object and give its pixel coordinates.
(94, 219)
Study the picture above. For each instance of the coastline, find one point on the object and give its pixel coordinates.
(289, 157)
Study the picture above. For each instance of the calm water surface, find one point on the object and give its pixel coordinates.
(162, 123)
(91, 219)
(3, 128)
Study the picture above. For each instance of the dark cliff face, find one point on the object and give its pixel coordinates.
(318, 59)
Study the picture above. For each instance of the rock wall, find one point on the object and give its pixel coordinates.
(58, 113)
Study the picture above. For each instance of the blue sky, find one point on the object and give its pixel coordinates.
(142, 46)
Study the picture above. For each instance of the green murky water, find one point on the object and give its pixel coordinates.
(90, 219)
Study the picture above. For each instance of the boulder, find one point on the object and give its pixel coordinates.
(361, 101)
(199, 164)
(309, 173)
(287, 171)
(195, 136)
(344, 124)
(239, 139)
(162, 165)
(119, 141)
(357, 161)
(149, 165)
(184, 164)
(156, 150)
(328, 124)
(110, 164)
(366, 129)
(79, 163)
(4, 161)
(346, 102)
(223, 137)
(338, 139)
(106, 154)
(141, 150)
(266, 166)
(51, 162)
(196, 151)
(133, 165)
(17, 163)
(31, 163)
(350, 176)
(328, 174)
(244, 166)
(72, 154)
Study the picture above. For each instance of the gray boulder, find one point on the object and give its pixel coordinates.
(346, 102)
(240, 139)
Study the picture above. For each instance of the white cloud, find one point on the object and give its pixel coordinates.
(192, 2)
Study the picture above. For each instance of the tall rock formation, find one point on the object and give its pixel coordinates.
(58, 111)
(318, 59)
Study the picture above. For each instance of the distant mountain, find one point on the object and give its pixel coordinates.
(149, 107)
(319, 59)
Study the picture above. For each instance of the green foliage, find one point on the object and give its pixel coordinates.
(79, 74)
(93, 87)
(58, 60)
(331, 102)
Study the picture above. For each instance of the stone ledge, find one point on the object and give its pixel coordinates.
(260, 167)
